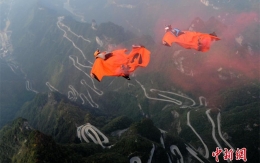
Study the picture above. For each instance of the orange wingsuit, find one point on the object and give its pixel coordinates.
(190, 40)
(117, 63)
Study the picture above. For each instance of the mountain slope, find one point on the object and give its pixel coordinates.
(22, 144)
(182, 106)
(13, 93)
(55, 115)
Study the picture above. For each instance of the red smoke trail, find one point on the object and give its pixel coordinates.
(242, 24)
(234, 61)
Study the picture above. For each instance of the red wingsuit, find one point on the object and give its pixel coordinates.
(190, 40)
(117, 63)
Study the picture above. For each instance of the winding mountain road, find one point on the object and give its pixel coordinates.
(174, 147)
(89, 131)
(60, 25)
(220, 133)
(166, 98)
(66, 5)
(201, 98)
(135, 159)
(204, 145)
(51, 88)
(151, 154)
(213, 129)
(29, 87)
(193, 153)
(73, 94)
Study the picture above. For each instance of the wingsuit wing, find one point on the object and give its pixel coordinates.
(190, 40)
(138, 57)
(205, 41)
(118, 63)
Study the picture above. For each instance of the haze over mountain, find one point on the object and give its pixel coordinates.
(179, 108)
